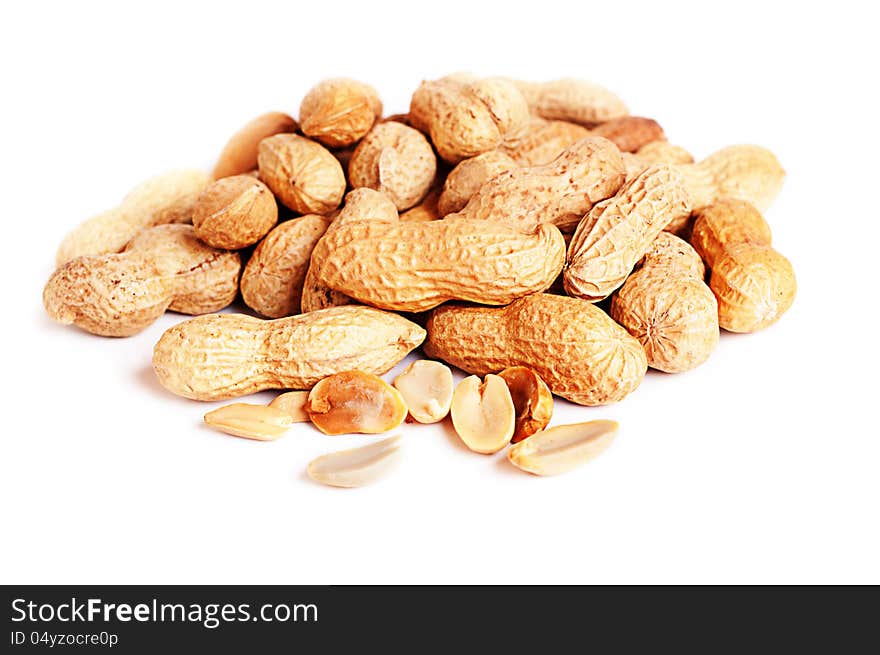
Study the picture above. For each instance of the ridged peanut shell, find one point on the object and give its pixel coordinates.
(630, 133)
(754, 285)
(673, 314)
(571, 344)
(663, 152)
(414, 267)
(616, 233)
(272, 281)
(468, 176)
(302, 174)
(339, 111)
(577, 101)
(396, 160)
(239, 155)
(560, 192)
(726, 223)
(668, 250)
(229, 355)
(543, 141)
(234, 212)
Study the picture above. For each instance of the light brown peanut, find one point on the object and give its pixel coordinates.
(744, 172)
(754, 285)
(543, 141)
(427, 209)
(239, 155)
(302, 174)
(532, 401)
(166, 198)
(339, 111)
(630, 133)
(616, 233)
(360, 205)
(726, 223)
(356, 467)
(468, 176)
(562, 448)
(396, 160)
(229, 355)
(234, 212)
(355, 402)
(663, 152)
(559, 193)
(668, 308)
(250, 421)
(572, 100)
(427, 387)
(465, 116)
(483, 414)
(416, 266)
(570, 343)
(272, 282)
(164, 267)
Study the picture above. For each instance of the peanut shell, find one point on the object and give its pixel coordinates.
(239, 155)
(234, 212)
(339, 111)
(302, 174)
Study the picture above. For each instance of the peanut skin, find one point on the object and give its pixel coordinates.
(222, 356)
(163, 268)
(571, 344)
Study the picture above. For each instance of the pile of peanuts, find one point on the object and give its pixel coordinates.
(534, 235)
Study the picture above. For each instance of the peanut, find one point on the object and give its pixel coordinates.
(483, 414)
(571, 344)
(576, 101)
(466, 117)
(302, 174)
(726, 223)
(426, 386)
(396, 160)
(616, 233)
(356, 467)
(754, 285)
(668, 308)
(338, 112)
(250, 421)
(239, 155)
(354, 401)
(416, 266)
(532, 401)
(272, 282)
(563, 448)
(360, 205)
(229, 355)
(167, 198)
(543, 141)
(293, 403)
(749, 173)
(630, 133)
(426, 210)
(468, 176)
(234, 212)
(164, 267)
(663, 152)
(560, 192)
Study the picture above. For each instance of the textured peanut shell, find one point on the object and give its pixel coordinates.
(754, 285)
(302, 173)
(229, 355)
(744, 172)
(465, 117)
(427, 209)
(239, 155)
(272, 281)
(630, 133)
(571, 344)
(543, 141)
(663, 152)
(360, 205)
(572, 100)
(616, 233)
(726, 223)
(339, 111)
(355, 402)
(396, 160)
(560, 192)
(671, 251)
(166, 198)
(468, 176)
(118, 295)
(414, 267)
(234, 212)
(672, 313)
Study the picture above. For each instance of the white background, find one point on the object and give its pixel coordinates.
(760, 466)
